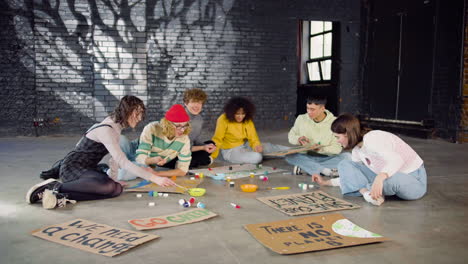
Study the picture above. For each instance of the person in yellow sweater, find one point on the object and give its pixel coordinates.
(235, 135)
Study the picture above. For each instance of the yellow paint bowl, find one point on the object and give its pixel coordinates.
(197, 191)
(249, 187)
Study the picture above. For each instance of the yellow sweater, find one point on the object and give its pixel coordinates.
(233, 134)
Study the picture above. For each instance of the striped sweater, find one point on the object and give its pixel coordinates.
(154, 144)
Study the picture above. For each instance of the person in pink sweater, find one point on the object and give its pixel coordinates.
(382, 164)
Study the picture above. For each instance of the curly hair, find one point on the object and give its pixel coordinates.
(169, 128)
(351, 126)
(195, 94)
(236, 103)
(125, 108)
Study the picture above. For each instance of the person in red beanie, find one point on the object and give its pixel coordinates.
(159, 143)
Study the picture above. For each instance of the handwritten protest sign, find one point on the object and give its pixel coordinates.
(93, 237)
(293, 150)
(311, 233)
(306, 203)
(181, 218)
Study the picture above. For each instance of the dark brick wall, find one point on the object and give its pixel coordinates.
(74, 62)
(17, 89)
(447, 97)
(463, 132)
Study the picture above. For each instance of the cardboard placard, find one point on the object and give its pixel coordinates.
(237, 171)
(181, 218)
(311, 233)
(306, 203)
(146, 186)
(93, 237)
(292, 150)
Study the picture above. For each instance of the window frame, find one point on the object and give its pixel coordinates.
(319, 60)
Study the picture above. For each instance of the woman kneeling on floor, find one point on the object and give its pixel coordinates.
(80, 177)
(382, 164)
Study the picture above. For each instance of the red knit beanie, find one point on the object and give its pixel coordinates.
(177, 114)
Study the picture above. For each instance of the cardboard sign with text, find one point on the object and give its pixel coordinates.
(146, 186)
(293, 150)
(306, 203)
(181, 218)
(93, 237)
(311, 233)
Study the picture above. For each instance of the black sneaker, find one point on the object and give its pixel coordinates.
(53, 173)
(53, 199)
(103, 167)
(36, 192)
(297, 170)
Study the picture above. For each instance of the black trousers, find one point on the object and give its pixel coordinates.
(199, 158)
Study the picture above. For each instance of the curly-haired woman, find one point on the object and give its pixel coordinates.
(235, 135)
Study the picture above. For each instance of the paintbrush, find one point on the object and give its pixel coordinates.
(180, 186)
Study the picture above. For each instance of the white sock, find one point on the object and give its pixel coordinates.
(326, 172)
(369, 199)
(335, 182)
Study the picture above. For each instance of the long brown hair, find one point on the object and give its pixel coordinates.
(350, 126)
(125, 108)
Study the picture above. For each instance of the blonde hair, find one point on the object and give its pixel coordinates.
(168, 128)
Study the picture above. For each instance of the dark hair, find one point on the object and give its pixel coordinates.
(349, 125)
(317, 99)
(125, 108)
(195, 94)
(236, 103)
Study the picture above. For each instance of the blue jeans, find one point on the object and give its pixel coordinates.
(316, 164)
(129, 148)
(408, 186)
(245, 154)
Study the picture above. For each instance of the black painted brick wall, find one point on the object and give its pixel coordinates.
(75, 62)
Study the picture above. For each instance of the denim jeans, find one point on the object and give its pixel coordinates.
(129, 148)
(245, 154)
(316, 164)
(408, 186)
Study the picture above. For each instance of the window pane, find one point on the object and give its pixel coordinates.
(316, 27)
(326, 69)
(316, 47)
(327, 45)
(314, 71)
(327, 26)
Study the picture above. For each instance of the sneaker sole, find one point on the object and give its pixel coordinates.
(32, 189)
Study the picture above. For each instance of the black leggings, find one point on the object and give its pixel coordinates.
(92, 185)
(199, 158)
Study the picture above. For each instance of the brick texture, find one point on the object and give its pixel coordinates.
(65, 67)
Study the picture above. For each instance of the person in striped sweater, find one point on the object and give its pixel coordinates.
(382, 164)
(160, 142)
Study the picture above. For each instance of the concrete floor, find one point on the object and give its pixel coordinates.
(431, 230)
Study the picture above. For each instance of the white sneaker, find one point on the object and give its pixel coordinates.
(52, 199)
(334, 173)
(369, 199)
(297, 170)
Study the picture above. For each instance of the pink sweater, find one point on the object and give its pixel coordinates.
(385, 152)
